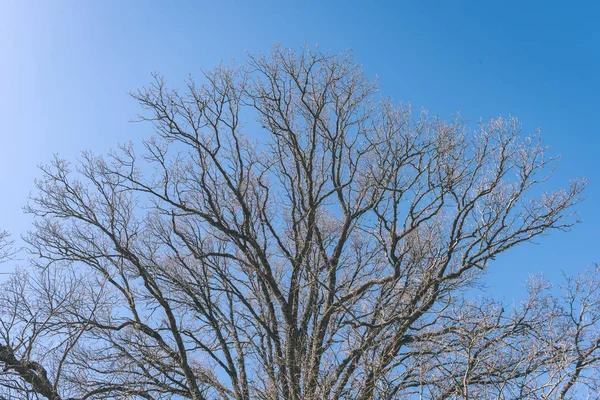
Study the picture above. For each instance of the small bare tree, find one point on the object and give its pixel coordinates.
(321, 250)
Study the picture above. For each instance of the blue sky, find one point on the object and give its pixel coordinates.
(66, 68)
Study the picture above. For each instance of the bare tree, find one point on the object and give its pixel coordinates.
(322, 249)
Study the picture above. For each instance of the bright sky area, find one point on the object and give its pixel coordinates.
(66, 68)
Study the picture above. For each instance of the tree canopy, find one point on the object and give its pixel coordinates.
(289, 233)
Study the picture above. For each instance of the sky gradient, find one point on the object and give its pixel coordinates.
(66, 68)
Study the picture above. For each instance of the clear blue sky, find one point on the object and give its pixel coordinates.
(66, 68)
